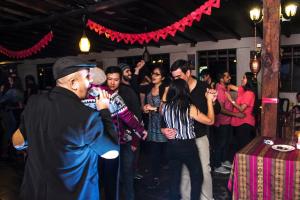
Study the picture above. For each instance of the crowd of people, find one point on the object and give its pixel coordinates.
(90, 113)
(12, 100)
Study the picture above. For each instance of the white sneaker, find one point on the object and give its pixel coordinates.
(227, 164)
(222, 170)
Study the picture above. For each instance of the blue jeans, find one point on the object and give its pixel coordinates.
(127, 157)
(222, 136)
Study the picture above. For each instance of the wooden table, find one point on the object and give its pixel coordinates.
(259, 172)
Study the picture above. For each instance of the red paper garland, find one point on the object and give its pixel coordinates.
(160, 33)
(28, 52)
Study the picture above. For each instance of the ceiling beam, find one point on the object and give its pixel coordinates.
(72, 26)
(164, 12)
(15, 12)
(224, 26)
(202, 30)
(17, 38)
(56, 3)
(240, 8)
(9, 17)
(221, 25)
(148, 22)
(11, 45)
(207, 33)
(27, 5)
(14, 39)
(103, 5)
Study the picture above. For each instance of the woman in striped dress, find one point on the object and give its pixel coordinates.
(179, 114)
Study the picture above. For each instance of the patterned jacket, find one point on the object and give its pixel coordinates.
(121, 116)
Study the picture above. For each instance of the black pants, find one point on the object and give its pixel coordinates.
(121, 166)
(243, 135)
(109, 176)
(222, 139)
(156, 155)
(184, 152)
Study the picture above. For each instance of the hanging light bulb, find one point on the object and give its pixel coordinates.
(84, 43)
(146, 55)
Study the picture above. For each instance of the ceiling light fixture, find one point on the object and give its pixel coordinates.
(146, 55)
(84, 43)
(255, 62)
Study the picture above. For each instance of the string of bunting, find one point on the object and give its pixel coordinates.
(146, 37)
(30, 51)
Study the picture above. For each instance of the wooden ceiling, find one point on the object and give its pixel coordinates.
(25, 22)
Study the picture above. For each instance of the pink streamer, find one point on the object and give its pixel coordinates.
(172, 29)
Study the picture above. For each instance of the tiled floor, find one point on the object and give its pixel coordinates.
(11, 175)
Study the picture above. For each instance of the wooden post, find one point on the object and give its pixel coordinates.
(270, 67)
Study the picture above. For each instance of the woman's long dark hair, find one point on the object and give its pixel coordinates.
(164, 82)
(179, 99)
(251, 83)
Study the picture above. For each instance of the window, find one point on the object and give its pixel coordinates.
(216, 61)
(162, 60)
(130, 60)
(6, 70)
(290, 69)
(45, 76)
(156, 59)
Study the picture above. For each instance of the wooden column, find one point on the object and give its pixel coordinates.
(270, 66)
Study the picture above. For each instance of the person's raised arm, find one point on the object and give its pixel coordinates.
(208, 119)
(139, 66)
(233, 87)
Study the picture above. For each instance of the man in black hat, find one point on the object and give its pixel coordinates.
(65, 137)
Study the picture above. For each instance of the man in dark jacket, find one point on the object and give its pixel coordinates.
(65, 137)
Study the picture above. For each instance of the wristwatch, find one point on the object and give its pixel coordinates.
(233, 102)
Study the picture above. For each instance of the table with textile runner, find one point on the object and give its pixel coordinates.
(260, 172)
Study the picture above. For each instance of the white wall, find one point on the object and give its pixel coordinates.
(243, 47)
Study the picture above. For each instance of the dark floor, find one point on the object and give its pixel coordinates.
(161, 192)
(11, 171)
